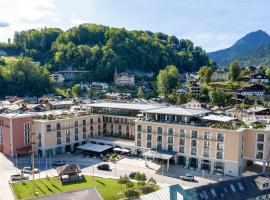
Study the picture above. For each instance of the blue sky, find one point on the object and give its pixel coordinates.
(212, 24)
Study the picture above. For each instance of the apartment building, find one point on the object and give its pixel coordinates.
(124, 78)
(63, 133)
(202, 141)
(15, 133)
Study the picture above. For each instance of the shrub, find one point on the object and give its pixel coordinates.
(132, 193)
(147, 189)
(129, 184)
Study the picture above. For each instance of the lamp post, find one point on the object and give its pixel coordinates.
(33, 158)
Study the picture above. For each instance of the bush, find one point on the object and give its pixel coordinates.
(147, 189)
(258, 125)
(129, 184)
(132, 193)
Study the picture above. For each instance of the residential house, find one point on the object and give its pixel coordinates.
(124, 79)
(258, 78)
(57, 78)
(254, 90)
(220, 75)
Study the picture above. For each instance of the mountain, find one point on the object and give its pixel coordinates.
(244, 49)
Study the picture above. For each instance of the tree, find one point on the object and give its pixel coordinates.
(123, 180)
(234, 70)
(152, 182)
(2, 61)
(167, 80)
(140, 92)
(129, 184)
(181, 99)
(141, 178)
(76, 90)
(217, 98)
(205, 74)
(267, 72)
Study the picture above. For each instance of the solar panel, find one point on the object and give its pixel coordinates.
(232, 187)
(213, 193)
(240, 186)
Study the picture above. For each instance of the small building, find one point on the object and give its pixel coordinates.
(124, 79)
(56, 105)
(99, 87)
(69, 172)
(192, 77)
(117, 96)
(258, 78)
(193, 104)
(195, 88)
(261, 114)
(57, 78)
(254, 90)
(220, 75)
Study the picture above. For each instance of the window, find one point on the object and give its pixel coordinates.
(149, 137)
(84, 129)
(76, 130)
(170, 147)
(206, 136)
(99, 120)
(182, 133)
(91, 121)
(48, 127)
(159, 138)
(259, 155)
(139, 127)
(58, 140)
(193, 151)
(159, 130)
(139, 143)
(181, 149)
(194, 134)
(58, 133)
(119, 127)
(76, 123)
(149, 129)
(27, 140)
(159, 146)
(206, 144)
(170, 131)
(260, 147)
(219, 155)
(76, 137)
(58, 126)
(84, 122)
(84, 135)
(182, 141)
(170, 140)
(260, 137)
(220, 137)
(139, 135)
(220, 146)
(149, 145)
(206, 153)
(193, 143)
(26, 126)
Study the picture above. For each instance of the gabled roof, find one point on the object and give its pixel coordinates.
(68, 169)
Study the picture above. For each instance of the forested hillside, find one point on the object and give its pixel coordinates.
(101, 49)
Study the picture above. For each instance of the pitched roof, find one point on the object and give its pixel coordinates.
(68, 169)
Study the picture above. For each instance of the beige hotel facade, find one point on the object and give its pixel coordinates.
(195, 137)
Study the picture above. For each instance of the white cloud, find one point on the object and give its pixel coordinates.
(75, 20)
(25, 14)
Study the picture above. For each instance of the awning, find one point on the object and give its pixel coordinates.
(166, 155)
(125, 150)
(94, 147)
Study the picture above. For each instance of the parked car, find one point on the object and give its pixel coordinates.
(104, 167)
(187, 177)
(19, 177)
(58, 163)
(28, 170)
(132, 175)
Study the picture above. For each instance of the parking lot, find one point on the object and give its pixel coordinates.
(119, 168)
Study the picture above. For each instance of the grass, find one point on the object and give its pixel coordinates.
(109, 189)
(9, 59)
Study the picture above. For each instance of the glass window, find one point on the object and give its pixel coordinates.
(139, 127)
(159, 130)
(159, 146)
(76, 130)
(159, 138)
(58, 133)
(149, 137)
(170, 147)
(58, 126)
(149, 129)
(84, 135)
(181, 149)
(194, 134)
(139, 135)
(220, 137)
(206, 144)
(219, 155)
(170, 131)
(182, 133)
(149, 145)
(76, 123)
(58, 140)
(182, 141)
(138, 143)
(193, 151)
(193, 143)
(259, 155)
(260, 137)
(220, 146)
(260, 146)
(48, 127)
(170, 140)
(84, 122)
(206, 135)
(206, 153)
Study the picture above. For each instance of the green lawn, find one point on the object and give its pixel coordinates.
(108, 188)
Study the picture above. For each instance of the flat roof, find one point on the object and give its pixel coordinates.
(159, 154)
(114, 141)
(94, 147)
(18, 115)
(128, 106)
(218, 118)
(174, 110)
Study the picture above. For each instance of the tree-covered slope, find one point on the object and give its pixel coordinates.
(101, 50)
(242, 48)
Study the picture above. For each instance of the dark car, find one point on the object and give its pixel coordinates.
(104, 167)
(58, 163)
(132, 175)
